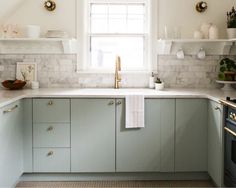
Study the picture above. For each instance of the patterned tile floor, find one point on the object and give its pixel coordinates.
(115, 184)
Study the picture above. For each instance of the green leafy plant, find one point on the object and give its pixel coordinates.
(227, 66)
(231, 18)
(158, 80)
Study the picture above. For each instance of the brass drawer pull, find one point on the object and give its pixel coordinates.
(119, 103)
(50, 153)
(50, 128)
(217, 108)
(10, 110)
(230, 131)
(111, 103)
(50, 103)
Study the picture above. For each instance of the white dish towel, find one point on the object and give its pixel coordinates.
(134, 111)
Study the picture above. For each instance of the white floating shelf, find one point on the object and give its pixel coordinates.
(38, 46)
(192, 46)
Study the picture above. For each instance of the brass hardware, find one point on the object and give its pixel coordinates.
(50, 153)
(227, 103)
(50, 5)
(232, 116)
(50, 103)
(50, 128)
(201, 6)
(119, 103)
(217, 108)
(111, 103)
(230, 131)
(10, 110)
(117, 76)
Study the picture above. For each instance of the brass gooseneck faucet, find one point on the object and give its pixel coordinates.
(117, 75)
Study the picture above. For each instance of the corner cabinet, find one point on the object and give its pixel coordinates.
(11, 144)
(215, 142)
(149, 149)
(93, 135)
(191, 135)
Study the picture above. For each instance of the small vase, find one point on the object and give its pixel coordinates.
(231, 33)
(159, 86)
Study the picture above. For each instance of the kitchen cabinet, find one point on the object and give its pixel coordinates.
(93, 135)
(11, 144)
(149, 149)
(191, 135)
(51, 135)
(215, 140)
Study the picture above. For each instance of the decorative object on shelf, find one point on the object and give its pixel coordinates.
(26, 71)
(32, 31)
(151, 81)
(227, 85)
(227, 70)
(213, 32)
(34, 85)
(205, 29)
(198, 35)
(13, 84)
(159, 85)
(9, 31)
(180, 54)
(50, 5)
(201, 6)
(56, 34)
(201, 54)
(231, 23)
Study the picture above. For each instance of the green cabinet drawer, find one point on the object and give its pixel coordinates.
(51, 135)
(51, 110)
(51, 160)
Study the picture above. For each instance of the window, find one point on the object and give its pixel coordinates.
(118, 27)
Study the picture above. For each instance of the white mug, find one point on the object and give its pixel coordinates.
(32, 31)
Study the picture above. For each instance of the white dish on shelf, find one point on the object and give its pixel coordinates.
(227, 85)
(56, 34)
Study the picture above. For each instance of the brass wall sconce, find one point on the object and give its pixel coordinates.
(201, 6)
(50, 5)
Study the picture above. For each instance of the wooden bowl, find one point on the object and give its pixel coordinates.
(13, 84)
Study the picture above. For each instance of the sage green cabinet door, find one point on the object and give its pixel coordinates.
(191, 135)
(93, 135)
(11, 155)
(51, 110)
(51, 135)
(215, 140)
(139, 150)
(51, 160)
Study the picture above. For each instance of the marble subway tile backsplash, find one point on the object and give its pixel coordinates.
(59, 71)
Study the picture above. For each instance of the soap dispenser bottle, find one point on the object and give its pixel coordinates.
(151, 81)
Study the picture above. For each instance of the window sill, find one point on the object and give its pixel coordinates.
(112, 72)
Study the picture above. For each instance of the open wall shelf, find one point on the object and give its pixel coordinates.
(192, 47)
(38, 46)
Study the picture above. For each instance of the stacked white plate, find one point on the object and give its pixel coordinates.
(56, 34)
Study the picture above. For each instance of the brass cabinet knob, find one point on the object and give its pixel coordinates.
(119, 103)
(50, 153)
(217, 108)
(50, 128)
(50, 103)
(111, 103)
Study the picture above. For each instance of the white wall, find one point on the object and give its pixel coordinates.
(33, 12)
(171, 13)
(182, 13)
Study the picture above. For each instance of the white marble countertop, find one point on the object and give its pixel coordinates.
(7, 96)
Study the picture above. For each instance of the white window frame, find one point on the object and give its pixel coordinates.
(83, 23)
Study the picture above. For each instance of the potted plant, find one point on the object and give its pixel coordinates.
(159, 85)
(227, 70)
(231, 23)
